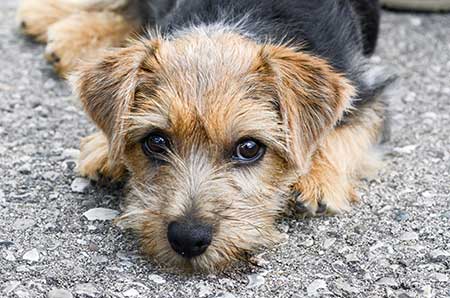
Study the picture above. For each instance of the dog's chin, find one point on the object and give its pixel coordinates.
(214, 259)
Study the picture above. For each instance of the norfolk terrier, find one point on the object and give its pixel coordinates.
(222, 115)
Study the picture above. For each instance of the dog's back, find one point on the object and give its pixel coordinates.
(334, 30)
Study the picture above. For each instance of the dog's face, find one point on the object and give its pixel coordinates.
(213, 128)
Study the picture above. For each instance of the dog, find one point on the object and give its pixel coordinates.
(223, 116)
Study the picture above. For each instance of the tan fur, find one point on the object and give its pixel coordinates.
(94, 162)
(75, 30)
(345, 156)
(206, 89)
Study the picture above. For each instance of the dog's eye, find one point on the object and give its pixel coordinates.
(249, 150)
(155, 144)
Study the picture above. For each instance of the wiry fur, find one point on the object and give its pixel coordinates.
(220, 71)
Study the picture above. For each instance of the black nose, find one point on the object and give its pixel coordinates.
(189, 239)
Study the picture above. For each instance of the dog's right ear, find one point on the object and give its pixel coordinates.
(107, 87)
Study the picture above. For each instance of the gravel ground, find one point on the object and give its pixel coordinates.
(396, 243)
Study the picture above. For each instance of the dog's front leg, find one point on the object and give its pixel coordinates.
(94, 162)
(346, 155)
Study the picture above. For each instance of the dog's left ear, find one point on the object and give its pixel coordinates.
(107, 87)
(312, 97)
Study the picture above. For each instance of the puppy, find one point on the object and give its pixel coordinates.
(226, 117)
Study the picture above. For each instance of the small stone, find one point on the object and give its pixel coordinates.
(9, 256)
(440, 277)
(25, 169)
(429, 115)
(225, 295)
(131, 293)
(87, 289)
(22, 293)
(101, 214)
(71, 154)
(439, 255)
(59, 293)
(10, 286)
(315, 286)
(328, 243)
(80, 185)
(6, 243)
(308, 243)
(99, 259)
(409, 236)
(427, 291)
(156, 279)
(23, 224)
(255, 280)
(31, 255)
(406, 149)
(204, 290)
(401, 216)
(428, 194)
(415, 21)
(352, 257)
(388, 281)
(344, 286)
(376, 246)
(50, 176)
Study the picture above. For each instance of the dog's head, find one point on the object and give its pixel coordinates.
(213, 128)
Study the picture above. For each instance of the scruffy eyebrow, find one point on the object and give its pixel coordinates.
(138, 125)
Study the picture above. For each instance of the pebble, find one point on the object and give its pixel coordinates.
(344, 286)
(204, 290)
(31, 255)
(156, 279)
(315, 286)
(225, 295)
(406, 149)
(131, 293)
(388, 281)
(439, 255)
(25, 169)
(6, 243)
(70, 154)
(427, 291)
(80, 185)
(50, 176)
(409, 236)
(328, 243)
(59, 293)
(101, 214)
(9, 256)
(22, 293)
(308, 243)
(440, 277)
(255, 280)
(429, 115)
(415, 21)
(352, 257)
(10, 286)
(100, 259)
(87, 289)
(401, 216)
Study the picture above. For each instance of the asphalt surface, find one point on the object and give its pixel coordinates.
(396, 243)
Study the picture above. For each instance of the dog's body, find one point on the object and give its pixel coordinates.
(235, 110)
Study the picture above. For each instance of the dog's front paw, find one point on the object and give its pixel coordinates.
(81, 36)
(35, 17)
(319, 195)
(94, 161)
